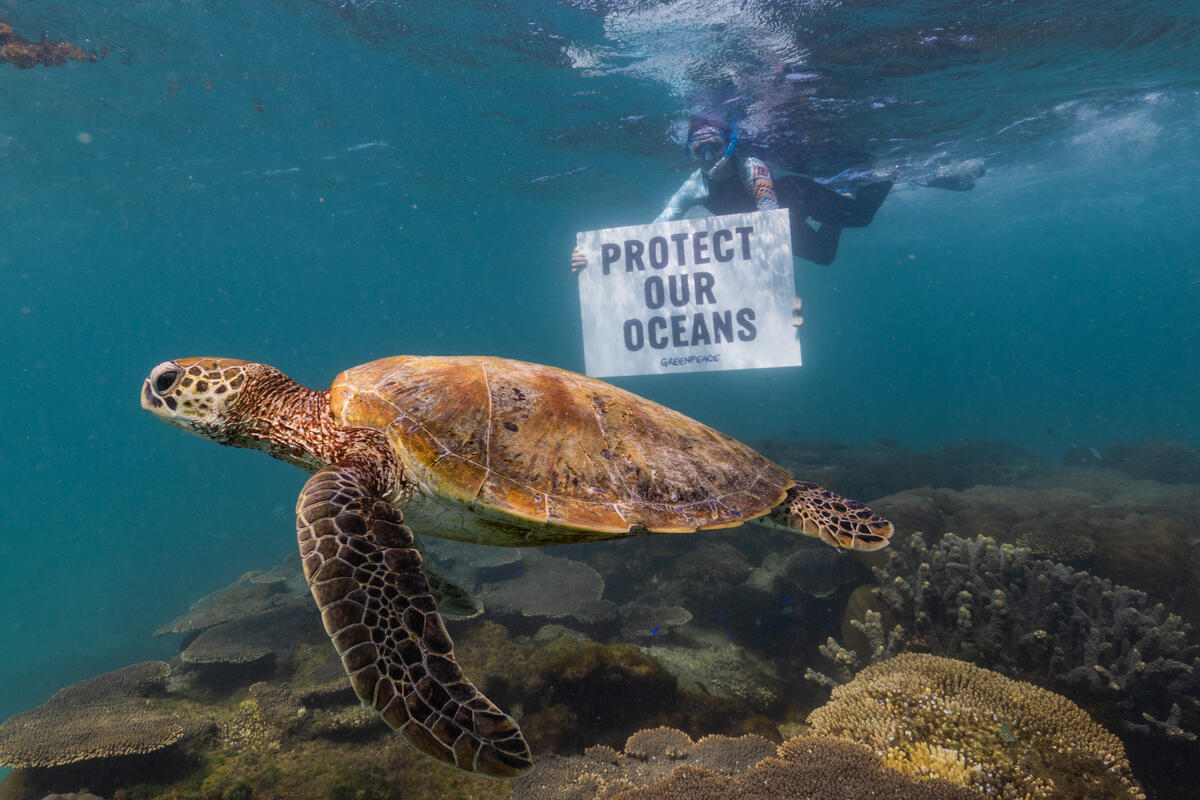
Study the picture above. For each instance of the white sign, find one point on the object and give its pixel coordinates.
(707, 293)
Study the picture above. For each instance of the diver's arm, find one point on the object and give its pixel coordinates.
(756, 177)
(693, 192)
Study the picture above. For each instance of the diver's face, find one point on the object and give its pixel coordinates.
(707, 145)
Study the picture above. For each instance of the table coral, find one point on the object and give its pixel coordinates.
(102, 717)
(937, 717)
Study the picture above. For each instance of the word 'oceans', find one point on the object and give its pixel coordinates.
(657, 252)
(689, 330)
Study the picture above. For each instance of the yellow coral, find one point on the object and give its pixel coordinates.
(932, 716)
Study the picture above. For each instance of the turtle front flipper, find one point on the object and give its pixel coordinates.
(831, 518)
(376, 605)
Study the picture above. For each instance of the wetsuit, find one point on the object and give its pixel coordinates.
(751, 187)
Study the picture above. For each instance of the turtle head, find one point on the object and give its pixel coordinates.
(201, 395)
(252, 405)
(242, 404)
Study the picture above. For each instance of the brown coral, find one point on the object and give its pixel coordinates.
(933, 716)
(101, 717)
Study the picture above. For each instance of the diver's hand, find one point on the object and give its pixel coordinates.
(798, 320)
(578, 260)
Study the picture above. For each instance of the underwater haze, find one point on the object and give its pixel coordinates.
(315, 184)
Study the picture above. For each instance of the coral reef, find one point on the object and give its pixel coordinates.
(938, 717)
(108, 716)
(245, 642)
(1067, 548)
(639, 620)
(1156, 460)
(629, 652)
(710, 663)
(647, 755)
(574, 693)
(665, 764)
(274, 740)
(1094, 641)
(1134, 532)
(25, 54)
(254, 593)
(549, 587)
(884, 468)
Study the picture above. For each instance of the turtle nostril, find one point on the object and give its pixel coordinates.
(166, 380)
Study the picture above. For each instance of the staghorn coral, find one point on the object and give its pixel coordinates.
(933, 716)
(101, 717)
(1094, 641)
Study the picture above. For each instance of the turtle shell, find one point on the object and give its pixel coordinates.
(549, 447)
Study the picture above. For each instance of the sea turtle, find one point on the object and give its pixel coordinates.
(484, 450)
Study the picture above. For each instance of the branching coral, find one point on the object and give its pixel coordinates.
(1092, 640)
(937, 717)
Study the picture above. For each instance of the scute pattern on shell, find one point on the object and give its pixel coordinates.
(556, 448)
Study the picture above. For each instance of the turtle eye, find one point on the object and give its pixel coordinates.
(166, 380)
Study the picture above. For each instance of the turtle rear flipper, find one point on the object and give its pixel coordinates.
(833, 519)
(366, 577)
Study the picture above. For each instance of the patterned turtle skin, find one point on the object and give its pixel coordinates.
(480, 449)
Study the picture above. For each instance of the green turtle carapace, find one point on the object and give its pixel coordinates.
(483, 450)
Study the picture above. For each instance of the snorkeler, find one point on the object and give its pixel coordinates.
(727, 183)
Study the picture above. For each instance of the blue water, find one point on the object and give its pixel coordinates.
(318, 184)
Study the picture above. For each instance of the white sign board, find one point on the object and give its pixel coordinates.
(708, 293)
